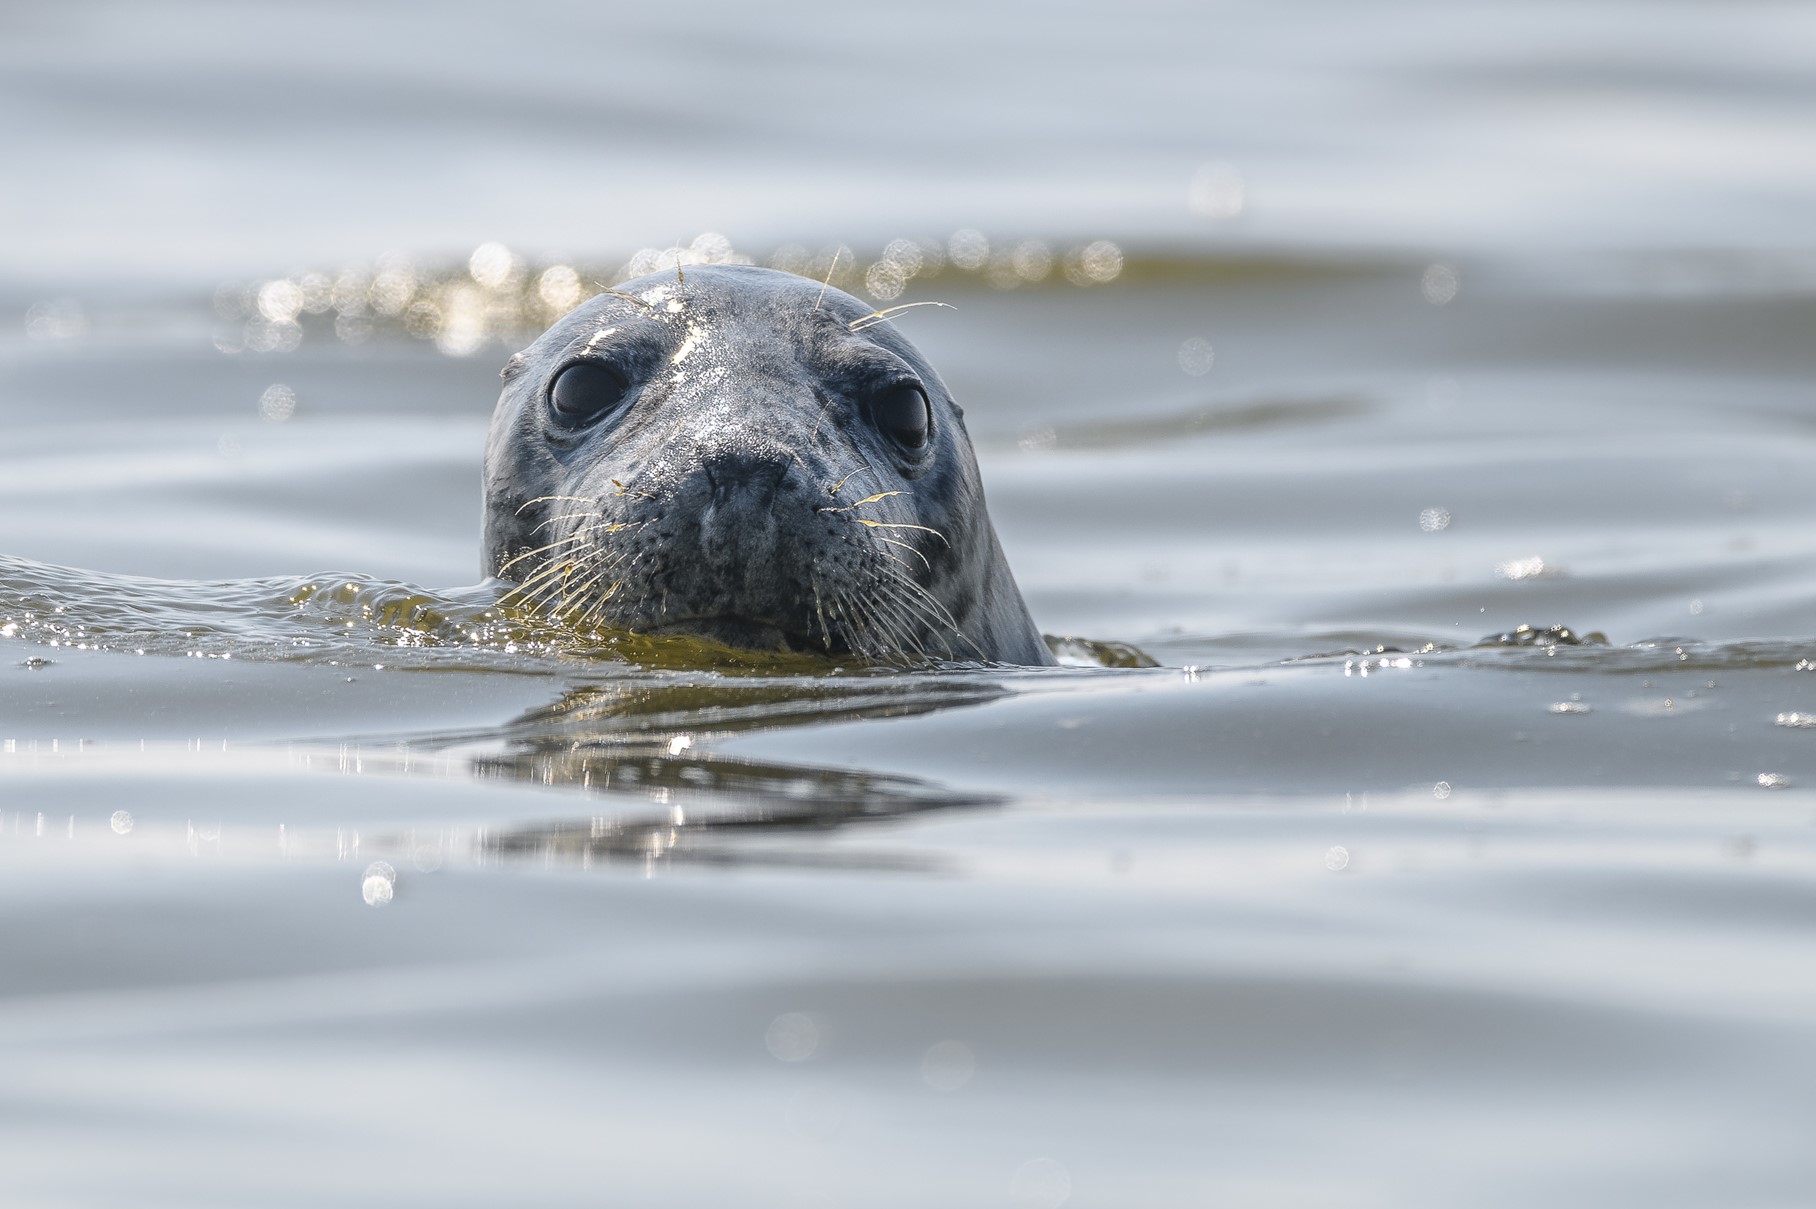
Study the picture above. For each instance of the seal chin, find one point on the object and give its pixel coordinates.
(741, 632)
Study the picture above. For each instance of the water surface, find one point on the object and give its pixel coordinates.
(1459, 849)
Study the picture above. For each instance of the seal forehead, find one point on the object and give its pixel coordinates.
(772, 324)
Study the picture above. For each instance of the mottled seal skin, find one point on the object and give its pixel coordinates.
(759, 472)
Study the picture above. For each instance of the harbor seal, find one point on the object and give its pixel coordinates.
(750, 457)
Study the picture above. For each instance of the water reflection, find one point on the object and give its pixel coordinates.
(653, 742)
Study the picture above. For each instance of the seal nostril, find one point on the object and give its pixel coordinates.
(758, 475)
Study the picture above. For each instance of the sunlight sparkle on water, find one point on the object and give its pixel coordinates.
(493, 266)
(948, 1065)
(1032, 260)
(59, 319)
(1217, 191)
(1524, 568)
(280, 301)
(968, 249)
(906, 255)
(1196, 356)
(884, 281)
(121, 822)
(1040, 1184)
(792, 1037)
(559, 287)
(378, 885)
(1796, 721)
(1439, 284)
(392, 286)
(278, 403)
(1336, 858)
(1095, 264)
(1434, 520)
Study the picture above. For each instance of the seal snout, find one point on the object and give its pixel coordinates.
(742, 487)
(742, 521)
(744, 475)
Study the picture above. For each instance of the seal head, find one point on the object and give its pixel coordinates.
(754, 458)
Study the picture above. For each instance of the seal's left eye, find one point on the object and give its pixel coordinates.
(585, 391)
(901, 411)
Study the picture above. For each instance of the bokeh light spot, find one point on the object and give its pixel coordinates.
(1439, 284)
(278, 403)
(1040, 1184)
(948, 1065)
(968, 249)
(1196, 356)
(792, 1037)
(559, 287)
(1217, 191)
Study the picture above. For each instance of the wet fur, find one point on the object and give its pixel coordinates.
(742, 492)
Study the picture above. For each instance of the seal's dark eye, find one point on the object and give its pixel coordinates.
(901, 411)
(584, 391)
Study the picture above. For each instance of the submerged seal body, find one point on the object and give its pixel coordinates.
(754, 458)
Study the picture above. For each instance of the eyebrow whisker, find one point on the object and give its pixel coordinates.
(876, 317)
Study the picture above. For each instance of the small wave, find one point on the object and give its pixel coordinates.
(340, 620)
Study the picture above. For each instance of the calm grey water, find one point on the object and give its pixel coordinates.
(320, 883)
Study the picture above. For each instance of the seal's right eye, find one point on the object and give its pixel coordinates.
(584, 391)
(902, 412)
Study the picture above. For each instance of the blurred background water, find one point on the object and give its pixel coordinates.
(1426, 388)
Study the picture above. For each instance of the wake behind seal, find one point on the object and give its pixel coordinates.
(754, 458)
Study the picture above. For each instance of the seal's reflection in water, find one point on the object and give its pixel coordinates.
(652, 744)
